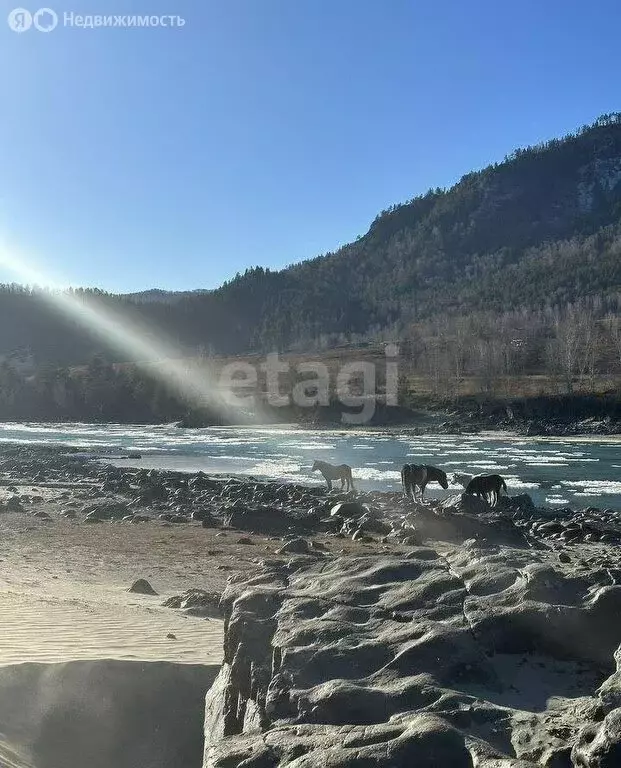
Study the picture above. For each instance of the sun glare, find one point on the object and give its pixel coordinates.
(196, 381)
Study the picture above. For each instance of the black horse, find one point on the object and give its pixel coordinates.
(486, 487)
(415, 476)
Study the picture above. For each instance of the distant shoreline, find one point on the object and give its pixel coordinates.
(441, 423)
(444, 421)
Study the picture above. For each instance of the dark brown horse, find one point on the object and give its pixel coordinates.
(486, 487)
(415, 476)
(331, 472)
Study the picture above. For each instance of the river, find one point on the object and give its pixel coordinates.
(575, 472)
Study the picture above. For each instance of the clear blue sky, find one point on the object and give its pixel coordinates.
(269, 131)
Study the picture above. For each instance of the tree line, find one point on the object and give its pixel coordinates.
(577, 349)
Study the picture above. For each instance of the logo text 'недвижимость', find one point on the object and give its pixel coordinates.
(46, 20)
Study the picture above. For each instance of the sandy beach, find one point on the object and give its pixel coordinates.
(84, 661)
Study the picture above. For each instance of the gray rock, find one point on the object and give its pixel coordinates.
(347, 509)
(262, 519)
(471, 505)
(599, 746)
(205, 517)
(196, 602)
(425, 659)
(294, 547)
(176, 519)
(142, 587)
(14, 504)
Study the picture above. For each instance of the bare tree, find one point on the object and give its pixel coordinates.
(458, 347)
(572, 346)
(613, 326)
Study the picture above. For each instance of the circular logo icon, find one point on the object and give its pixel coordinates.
(20, 20)
(45, 20)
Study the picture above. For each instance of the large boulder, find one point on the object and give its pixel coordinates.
(260, 519)
(294, 547)
(466, 503)
(474, 653)
(347, 509)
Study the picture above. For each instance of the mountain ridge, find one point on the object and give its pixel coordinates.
(538, 231)
(396, 218)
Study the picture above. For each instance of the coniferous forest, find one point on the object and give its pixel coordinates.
(509, 278)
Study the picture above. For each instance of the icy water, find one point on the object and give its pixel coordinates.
(565, 471)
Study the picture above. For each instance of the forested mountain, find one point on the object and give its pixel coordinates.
(537, 232)
(542, 228)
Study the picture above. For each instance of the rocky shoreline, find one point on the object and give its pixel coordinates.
(474, 424)
(552, 416)
(370, 630)
(131, 495)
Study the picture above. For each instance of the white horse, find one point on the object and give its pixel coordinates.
(331, 472)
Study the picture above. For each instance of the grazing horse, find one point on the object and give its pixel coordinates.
(486, 487)
(415, 476)
(331, 472)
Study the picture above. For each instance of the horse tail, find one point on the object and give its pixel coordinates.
(405, 479)
(503, 485)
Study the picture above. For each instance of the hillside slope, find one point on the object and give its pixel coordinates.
(540, 229)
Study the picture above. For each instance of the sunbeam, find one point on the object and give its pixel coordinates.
(196, 382)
